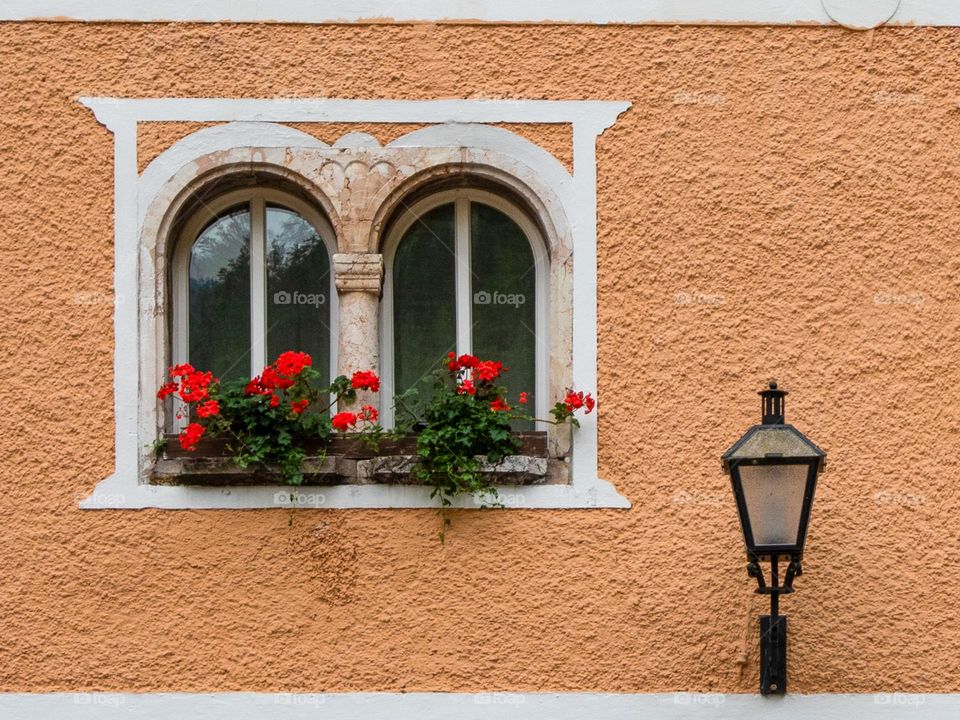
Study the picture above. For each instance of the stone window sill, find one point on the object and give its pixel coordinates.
(346, 460)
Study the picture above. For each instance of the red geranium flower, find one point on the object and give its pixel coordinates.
(182, 369)
(299, 406)
(194, 394)
(498, 405)
(523, 398)
(192, 386)
(573, 400)
(269, 379)
(467, 388)
(193, 383)
(166, 390)
(576, 400)
(208, 409)
(488, 370)
(365, 380)
(190, 436)
(368, 413)
(292, 362)
(344, 421)
(274, 401)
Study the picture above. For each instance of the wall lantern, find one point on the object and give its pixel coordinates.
(774, 469)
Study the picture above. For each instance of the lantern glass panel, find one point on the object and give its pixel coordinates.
(774, 498)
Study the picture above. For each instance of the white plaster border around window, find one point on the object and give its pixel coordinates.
(852, 13)
(133, 193)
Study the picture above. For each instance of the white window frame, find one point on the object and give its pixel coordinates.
(256, 199)
(461, 199)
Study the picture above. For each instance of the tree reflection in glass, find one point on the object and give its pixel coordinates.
(298, 288)
(219, 338)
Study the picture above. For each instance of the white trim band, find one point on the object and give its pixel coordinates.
(692, 12)
(472, 706)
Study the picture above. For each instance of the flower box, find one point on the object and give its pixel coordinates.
(343, 459)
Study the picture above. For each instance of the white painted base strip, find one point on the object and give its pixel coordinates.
(473, 706)
(693, 12)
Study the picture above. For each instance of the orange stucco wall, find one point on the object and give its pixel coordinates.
(778, 202)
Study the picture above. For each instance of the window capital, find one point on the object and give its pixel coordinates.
(358, 272)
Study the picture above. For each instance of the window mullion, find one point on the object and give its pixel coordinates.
(463, 284)
(258, 285)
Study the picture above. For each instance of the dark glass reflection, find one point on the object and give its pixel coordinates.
(298, 288)
(504, 298)
(424, 298)
(220, 296)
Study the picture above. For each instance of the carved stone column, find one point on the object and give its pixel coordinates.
(359, 279)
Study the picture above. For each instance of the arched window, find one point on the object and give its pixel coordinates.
(251, 279)
(467, 273)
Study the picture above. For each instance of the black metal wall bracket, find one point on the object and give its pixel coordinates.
(773, 627)
(773, 655)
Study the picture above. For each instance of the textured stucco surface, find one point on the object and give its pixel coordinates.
(777, 202)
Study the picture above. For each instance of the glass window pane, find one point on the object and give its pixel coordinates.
(220, 296)
(424, 298)
(298, 288)
(504, 297)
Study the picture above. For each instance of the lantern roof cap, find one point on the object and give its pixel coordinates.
(773, 442)
(773, 439)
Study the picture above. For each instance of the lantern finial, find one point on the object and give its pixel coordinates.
(772, 405)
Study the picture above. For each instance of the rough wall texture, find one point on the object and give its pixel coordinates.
(778, 202)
